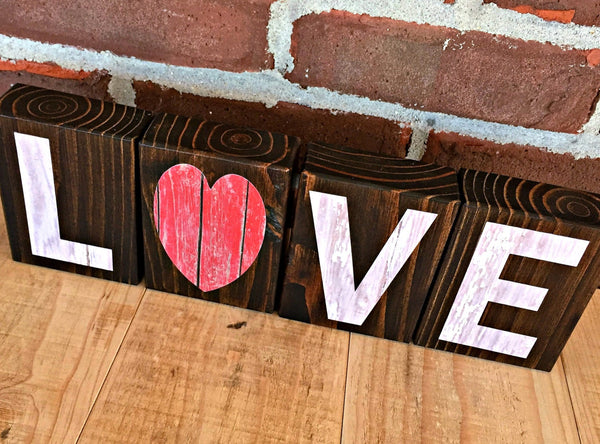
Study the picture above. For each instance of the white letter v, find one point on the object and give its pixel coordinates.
(332, 229)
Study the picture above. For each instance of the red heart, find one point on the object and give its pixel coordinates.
(212, 235)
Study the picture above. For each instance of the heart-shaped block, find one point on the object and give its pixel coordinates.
(212, 235)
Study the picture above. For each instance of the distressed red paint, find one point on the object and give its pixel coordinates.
(212, 235)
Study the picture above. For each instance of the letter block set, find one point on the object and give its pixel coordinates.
(470, 262)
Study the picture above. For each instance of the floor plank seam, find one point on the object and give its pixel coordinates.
(346, 387)
(564, 366)
(110, 367)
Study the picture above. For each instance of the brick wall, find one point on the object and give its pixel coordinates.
(504, 86)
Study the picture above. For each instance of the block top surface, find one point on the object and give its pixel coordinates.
(534, 198)
(192, 135)
(383, 171)
(73, 112)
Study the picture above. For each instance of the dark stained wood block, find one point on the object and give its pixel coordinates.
(67, 178)
(368, 234)
(215, 199)
(520, 268)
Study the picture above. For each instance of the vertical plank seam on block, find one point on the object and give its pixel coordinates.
(95, 400)
(564, 367)
(202, 179)
(244, 229)
(346, 387)
(439, 270)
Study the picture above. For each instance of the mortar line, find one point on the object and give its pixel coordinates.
(270, 88)
(463, 16)
(418, 143)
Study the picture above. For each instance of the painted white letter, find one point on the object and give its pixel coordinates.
(35, 165)
(332, 228)
(482, 284)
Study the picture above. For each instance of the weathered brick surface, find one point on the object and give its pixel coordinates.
(583, 12)
(374, 57)
(229, 35)
(520, 83)
(93, 85)
(526, 162)
(473, 75)
(357, 131)
(593, 57)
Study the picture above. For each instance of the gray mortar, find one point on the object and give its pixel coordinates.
(418, 142)
(121, 90)
(464, 15)
(270, 87)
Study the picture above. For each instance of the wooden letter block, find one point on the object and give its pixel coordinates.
(520, 268)
(67, 177)
(369, 232)
(214, 208)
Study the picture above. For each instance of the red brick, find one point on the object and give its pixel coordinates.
(561, 16)
(511, 81)
(526, 162)
(46, 69)
(357, 131)
(583, 12)
(473, 75)
(374, 57)
(228, 35)
(593, 57)
(94, 85)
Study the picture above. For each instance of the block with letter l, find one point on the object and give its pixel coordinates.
(214, 209)
(521, 266)
(368, 234)
(67, 177)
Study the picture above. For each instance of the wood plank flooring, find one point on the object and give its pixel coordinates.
(87, 360)
(188, 372)
(59, 334)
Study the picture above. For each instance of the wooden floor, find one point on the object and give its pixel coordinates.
(88, 360)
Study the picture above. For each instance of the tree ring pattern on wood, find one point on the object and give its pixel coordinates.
(73, 112)
(239, 142)
(185, 133)
(393, 172)
(542, 199)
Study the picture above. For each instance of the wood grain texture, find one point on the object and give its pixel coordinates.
(193, 371)
(534, 207)
(581, 359)
(266, 160)
(403, 393)
(380, 192)
(93, 156)
(59, 334)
